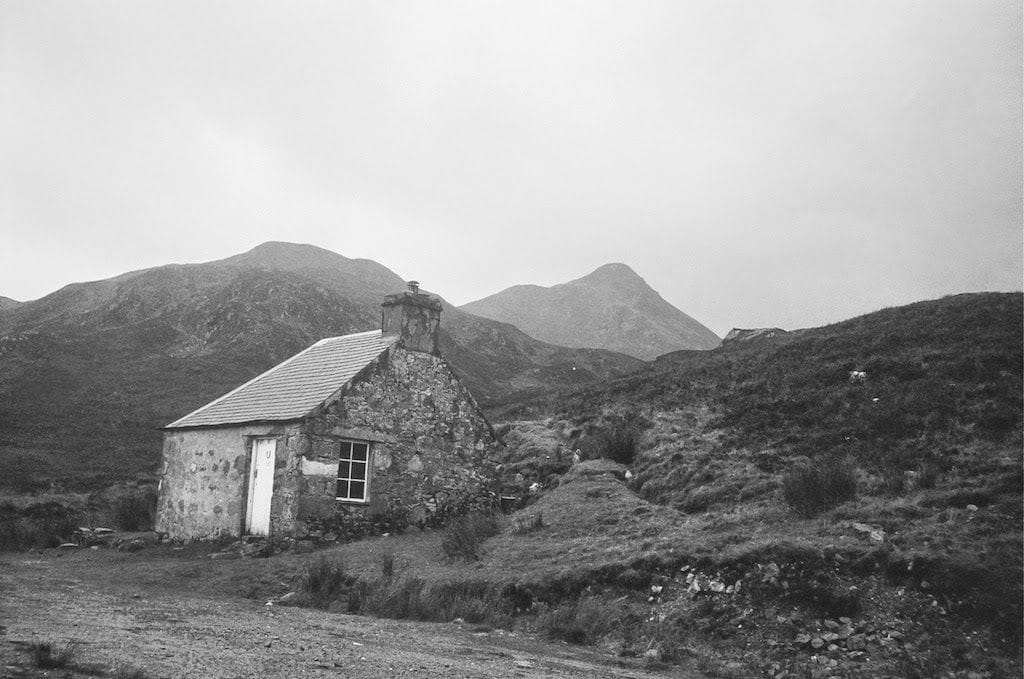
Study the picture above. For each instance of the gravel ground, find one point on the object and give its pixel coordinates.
(115, 619)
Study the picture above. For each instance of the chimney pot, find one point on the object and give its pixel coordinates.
(414, 287)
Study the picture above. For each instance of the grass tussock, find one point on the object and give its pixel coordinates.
(464, 536)
(48, 655)
(414, 598)
(584, 621)
(324, 582)
(810, 488)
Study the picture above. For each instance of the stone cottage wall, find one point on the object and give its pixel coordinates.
(431, 449)
(204, 484)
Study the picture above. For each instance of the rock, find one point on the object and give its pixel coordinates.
(972, 508)
(857, 642)
(68, 545)
(802, 638)
(832, 624)
(817, 642)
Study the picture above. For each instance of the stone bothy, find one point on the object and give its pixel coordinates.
(367, 432)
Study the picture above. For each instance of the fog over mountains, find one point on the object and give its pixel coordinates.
(611, 308)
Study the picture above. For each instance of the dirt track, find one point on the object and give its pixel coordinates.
(77, 597)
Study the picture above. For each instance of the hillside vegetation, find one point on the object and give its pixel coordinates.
(908, 477)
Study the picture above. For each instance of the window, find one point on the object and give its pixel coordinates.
(352, 471)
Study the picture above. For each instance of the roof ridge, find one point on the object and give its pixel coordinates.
(265, 374)
(351, 334)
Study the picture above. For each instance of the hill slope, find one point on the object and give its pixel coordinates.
(929, 433)
(89, 373)
(8, 303)
(611, 308)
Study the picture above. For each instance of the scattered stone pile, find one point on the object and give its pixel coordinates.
(842, 636)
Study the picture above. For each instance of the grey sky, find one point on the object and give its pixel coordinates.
(758, 163)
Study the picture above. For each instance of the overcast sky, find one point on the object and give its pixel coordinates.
(758, 163)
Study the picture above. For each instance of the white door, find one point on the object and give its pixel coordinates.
(261, 486)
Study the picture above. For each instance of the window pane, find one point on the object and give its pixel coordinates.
(357, 490)
(342, 490)
(359, 451)
(358, 471)
(344, 469)
(346, 450)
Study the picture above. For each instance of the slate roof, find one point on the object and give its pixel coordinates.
(290, 390)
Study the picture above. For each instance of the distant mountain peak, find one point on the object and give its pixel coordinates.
(282, 254)
(617, 268)
(616, 275)
(612, 308)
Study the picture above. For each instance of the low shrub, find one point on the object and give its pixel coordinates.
(464, 535)
(324, 582)
(928, 475)
(49, 656)
(387, 564)
(136, 511)
(616, 438)
(584, 621)
(812, 488)
(41, 525)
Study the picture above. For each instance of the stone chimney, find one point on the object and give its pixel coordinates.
(414, 317)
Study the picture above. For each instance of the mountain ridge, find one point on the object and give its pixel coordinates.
(90, 372)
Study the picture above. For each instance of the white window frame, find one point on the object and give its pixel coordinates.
(347, 453)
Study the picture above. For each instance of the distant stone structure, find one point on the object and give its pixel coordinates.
(356, 434)
(748, 334)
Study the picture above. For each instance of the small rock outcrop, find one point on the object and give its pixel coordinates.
(748, 334)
